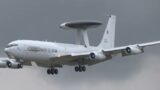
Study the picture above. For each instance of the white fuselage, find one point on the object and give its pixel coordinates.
(42, 52)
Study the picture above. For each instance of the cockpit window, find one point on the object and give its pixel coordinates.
(12, 45)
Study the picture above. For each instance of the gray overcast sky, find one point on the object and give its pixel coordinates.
(137, 21)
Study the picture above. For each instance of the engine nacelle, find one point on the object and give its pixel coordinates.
(14, 64)
(3, 64)
(134, 49)
(97, 56)
(11, 63)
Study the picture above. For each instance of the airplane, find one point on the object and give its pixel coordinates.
(53, 55)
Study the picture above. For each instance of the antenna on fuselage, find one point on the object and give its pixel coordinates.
(81, 28)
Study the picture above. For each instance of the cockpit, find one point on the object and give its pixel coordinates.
(10, 49)
(11, 45)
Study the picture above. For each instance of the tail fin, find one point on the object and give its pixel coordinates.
(109, 34)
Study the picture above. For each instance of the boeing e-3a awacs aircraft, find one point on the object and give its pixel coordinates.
(54, 55)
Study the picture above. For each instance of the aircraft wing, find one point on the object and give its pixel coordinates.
(130, 49)
(124, 51)
(149, 44)
(70, 57)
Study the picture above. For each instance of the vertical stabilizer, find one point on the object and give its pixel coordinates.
(108, 38)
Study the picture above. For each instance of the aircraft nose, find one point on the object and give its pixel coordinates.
(6, 50)
(8, 53)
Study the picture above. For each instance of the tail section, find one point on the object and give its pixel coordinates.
(108, 38)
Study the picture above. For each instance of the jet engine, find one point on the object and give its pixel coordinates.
(134, 49)
(97, 56)
(14, 64)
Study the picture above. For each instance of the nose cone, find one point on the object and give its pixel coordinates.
(8, 53)
(6, 50)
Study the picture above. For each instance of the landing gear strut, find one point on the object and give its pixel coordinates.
(52, 71)
(80, 68)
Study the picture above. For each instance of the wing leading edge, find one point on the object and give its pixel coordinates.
(130, 49)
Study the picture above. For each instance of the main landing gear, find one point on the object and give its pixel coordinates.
(52, 71)
(80, 68)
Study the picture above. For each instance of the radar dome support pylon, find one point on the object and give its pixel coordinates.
(81, 28)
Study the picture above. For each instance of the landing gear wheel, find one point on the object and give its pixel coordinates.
(52, 71)
(55, 71)
(48, 71)
(83, 68)
(80, 68)
(76, 69)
